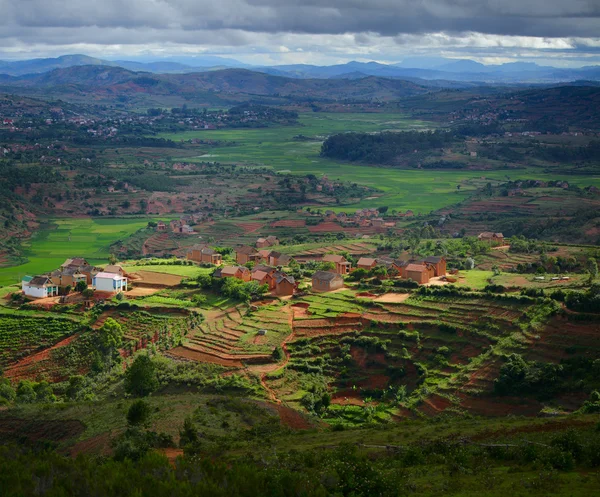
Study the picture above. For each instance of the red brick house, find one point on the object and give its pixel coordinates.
(267, 242)
(417, 272)
(491, 238)
(342, 266)
(239, 272)
(202, 253)
(438, 263)
(279, 259)
(284, 285)
(245, 254)
(264, 278)
(326, 281)
(367, 263)
(161, 226)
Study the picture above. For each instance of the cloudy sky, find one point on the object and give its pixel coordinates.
(557, 32)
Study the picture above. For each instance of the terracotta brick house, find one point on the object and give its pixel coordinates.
(438, 263)
(326, 281)
(491, 238)
(342, 266)
(269, 241)
(239, 272)
(279, 259)
(161, 226)
(245, 254)
(284, 284)
(202, 253)
(417, 272)
(367, 263)
(264, 278)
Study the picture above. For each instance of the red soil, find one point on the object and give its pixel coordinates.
(13, 429)
(249, 227)
(325, 228)
(292, 418)
(31, 367)
(500, 406)
(434, 405)
(289, 223)
(98, 445)
(195, 355)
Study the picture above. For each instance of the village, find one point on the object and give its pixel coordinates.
(261, 263)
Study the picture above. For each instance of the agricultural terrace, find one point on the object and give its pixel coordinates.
(418, 190)
(238, 335)
(59, 239)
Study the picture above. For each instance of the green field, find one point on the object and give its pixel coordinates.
(187, 271)
(48, 248)
(418, 190)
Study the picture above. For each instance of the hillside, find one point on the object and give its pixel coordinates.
(227, 83)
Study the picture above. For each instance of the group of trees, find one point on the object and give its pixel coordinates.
(382, 148)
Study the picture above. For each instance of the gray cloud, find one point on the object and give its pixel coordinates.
(371, 28)
(549, 18)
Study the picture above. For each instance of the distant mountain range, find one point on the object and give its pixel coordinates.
(414, 68)
(226, 84)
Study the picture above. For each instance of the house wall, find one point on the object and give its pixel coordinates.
(285, 288)
(419, 277)
(327, 286)
(194, 255)
(34, 291)
(106, 285)
(241, 258)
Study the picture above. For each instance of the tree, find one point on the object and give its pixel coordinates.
(592, 268)
(469, 263)
(383, 209)
(88, 293)
(111, 334)
(26, 392)
(140, 378)
(80, 286)
(139, 413)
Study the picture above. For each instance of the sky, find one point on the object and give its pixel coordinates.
(563, 33)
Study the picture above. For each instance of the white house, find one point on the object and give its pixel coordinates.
(39, 287)
(110, 282)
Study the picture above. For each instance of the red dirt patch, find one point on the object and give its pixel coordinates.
(98, 445)
(35, 365)
(289, 223)
(292, 418)
(14, 429)
(325, 228)
(434, 405)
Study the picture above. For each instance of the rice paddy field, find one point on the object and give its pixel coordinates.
(418, 190)
(59, 239)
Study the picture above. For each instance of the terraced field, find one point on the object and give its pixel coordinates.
(232, 336)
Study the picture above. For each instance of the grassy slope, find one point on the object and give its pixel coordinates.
(418, 190)
(90, 238)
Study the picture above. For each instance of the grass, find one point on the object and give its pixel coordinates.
(474, 279)
(178, 270)
(59, 239)
(418, 190)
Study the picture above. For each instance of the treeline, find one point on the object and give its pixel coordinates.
(382, 148)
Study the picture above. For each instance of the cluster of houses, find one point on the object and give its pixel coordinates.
(182, 225)
(278, 282)
(110, 279)
(368, 217)
(494, 239)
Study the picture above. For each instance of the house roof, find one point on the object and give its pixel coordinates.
(109, 276)
(283, 259)
(76, 261)
(263, 268)
(334, 258)
(284, 277)
(231, 270)
(259, 275)
(417, 268)
(433, 259)
(27, 279)
(489, 234)
(272, 238)
(245, 249)
(326, 276)
(275, 254)
(39, 281)
(264, 252)
(208, 251)
(113, 268)
(366, 261)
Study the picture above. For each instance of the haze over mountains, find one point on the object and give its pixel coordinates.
(424, 68)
